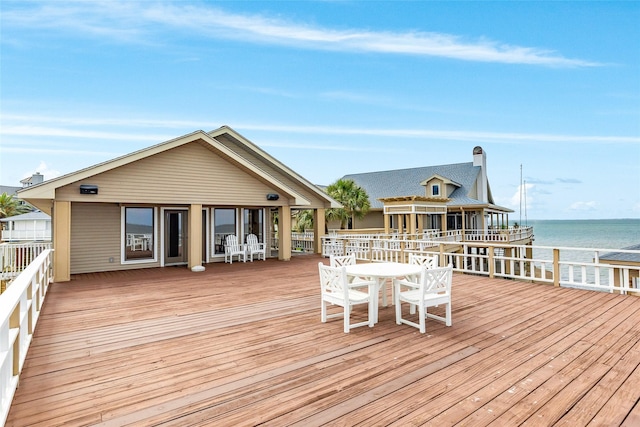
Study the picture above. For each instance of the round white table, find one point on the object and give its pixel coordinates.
(381, 271)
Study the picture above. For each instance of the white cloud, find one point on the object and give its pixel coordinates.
(12, 125)
(141, 22)
(524, 194)
(44, 170)
(584, 206)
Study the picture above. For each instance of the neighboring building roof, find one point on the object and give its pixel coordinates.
(11, 191)
(29, 216)
(407, 182)
(34, 179)
(623, 256)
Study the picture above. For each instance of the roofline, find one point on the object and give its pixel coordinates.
(282, 166)
(46, 189)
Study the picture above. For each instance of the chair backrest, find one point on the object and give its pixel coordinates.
(252, 241)
(436, 280)
(333, 280)
(430, 261)
(339, 261)
(231, 243)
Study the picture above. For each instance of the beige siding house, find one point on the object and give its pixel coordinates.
(174, 204)
(443, 197)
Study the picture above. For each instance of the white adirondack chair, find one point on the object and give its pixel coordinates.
(433, 289)
(233, 248)
(255, 248)
(335, 289)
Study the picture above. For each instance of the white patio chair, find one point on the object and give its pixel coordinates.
(344, 260)
(434, 288)
(335, 289)
(233, 248)
(255, 248)
(429, 261)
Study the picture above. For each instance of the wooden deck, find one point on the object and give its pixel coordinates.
(242, 345)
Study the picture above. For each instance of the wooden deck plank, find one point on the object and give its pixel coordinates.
(243, 344)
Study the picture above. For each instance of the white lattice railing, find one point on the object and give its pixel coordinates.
(568, 267)
(20, 308)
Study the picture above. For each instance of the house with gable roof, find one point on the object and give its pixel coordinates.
(174, 204)
(445, 197)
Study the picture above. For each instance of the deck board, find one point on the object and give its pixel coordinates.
(242, 344)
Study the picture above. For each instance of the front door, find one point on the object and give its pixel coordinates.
(175, 237)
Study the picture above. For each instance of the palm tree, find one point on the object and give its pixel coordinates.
(354, 199)
(10, 206)
(303, 220)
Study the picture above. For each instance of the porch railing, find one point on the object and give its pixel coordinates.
(15, 257)
(560, 266)
(22, 235)
(20, 307)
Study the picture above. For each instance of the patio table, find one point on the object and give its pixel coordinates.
(381, 271)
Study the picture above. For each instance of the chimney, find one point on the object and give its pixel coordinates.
(34, 179)
(480, 159)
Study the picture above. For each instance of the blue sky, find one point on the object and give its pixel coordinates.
(338, 87)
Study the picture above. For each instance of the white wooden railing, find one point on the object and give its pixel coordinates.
(302, 241)
(15, 257)
(38, 235)
(20, 307)
(560, 266)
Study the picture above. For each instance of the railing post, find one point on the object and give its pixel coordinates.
(492, 263)
(556, 267)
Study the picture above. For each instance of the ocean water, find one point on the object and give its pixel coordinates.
(594, 234)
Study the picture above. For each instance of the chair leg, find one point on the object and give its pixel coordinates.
(323, 311)
(347, 312)
(448, 318)
(422, 314)
(398, 311)
(371, 313)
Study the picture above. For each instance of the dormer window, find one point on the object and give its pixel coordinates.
(435, 189)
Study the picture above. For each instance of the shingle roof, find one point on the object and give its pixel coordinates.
(10, 190)
(406, 182)
(623, 256)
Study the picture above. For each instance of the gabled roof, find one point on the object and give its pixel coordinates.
(408, 182)
(274, 163)
(441, 178)
(46, 190)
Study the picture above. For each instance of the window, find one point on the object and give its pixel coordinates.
(253, 223)
(138, 234)
(224, 223)
(435, 189)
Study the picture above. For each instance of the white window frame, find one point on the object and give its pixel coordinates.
(123, 237)
(437, 188)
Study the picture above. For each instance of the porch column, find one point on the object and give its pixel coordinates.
(420, 223)
(61, 241)
(194, 255)
(412, 223)
(318, 229)
(284, 231)
(443, 222)
(387, 223)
